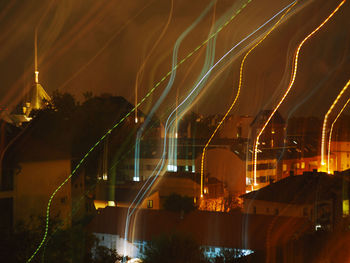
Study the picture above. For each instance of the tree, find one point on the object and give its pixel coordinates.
(106, 255)
(178, 203)
(174, 248)
(73, 244)
(228, 255)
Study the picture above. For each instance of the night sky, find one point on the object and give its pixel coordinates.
(109, 46)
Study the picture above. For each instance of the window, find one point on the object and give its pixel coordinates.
(284, 167)
(63, 200)
(262, 179)
(302, 165)
(254, 209)
(305, 212)
(149, 203)
(239, 132)
(276, 211)
(267, 210)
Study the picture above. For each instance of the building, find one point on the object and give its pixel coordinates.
(122, 195)
(315, 196)
(214, 231)
(236, 127)
(31, 177)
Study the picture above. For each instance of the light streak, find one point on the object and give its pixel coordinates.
(323, 141)
(144, 189)
(208, 63)
(165, 92)
(330, 133)
(149, 54)
(47, 219)
(294, 71)
(238, 92)
(305, 99)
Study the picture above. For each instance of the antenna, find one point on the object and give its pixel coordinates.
(36, 56)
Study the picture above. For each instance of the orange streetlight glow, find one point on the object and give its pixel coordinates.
(294, 71)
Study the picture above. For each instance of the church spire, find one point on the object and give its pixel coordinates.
(36, 72)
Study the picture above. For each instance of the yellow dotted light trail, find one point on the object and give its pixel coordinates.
(330, 133)
(238, 93)
(294, 71)
(323, 141)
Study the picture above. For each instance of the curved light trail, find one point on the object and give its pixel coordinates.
(324, 126)
(238, 92)
(139, 72)
(331, 130)
(170, 120)
(165, 91)
(47, 217)
(294, 71)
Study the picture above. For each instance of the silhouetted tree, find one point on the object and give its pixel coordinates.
(178, 203)
(174, 248)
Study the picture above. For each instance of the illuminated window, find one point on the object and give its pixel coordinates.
(346, 208)
(111, 203)
(302, 165)
(284, 167)
(172, 168)
(205, 190)
(239, 131)
(149, 203)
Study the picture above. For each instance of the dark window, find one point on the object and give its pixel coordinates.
(254, 209)
(276, 211)
(262, 166)
(63, 200)
(262, 179)
(305, 213)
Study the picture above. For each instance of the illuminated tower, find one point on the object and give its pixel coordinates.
(37, 95)
(34, 99)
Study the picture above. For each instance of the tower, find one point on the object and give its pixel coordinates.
(34, 99)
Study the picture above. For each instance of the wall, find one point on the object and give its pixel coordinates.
(261, 207)
(34, 185)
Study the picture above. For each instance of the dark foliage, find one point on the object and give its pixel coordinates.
(72, 244)
(175, 248)
(178, 203)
